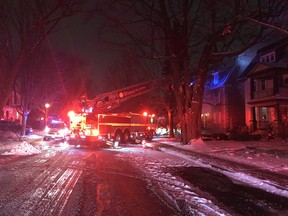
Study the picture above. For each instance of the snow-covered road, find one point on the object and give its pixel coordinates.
(50, 178)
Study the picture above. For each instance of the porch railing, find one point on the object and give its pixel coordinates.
(283, 92)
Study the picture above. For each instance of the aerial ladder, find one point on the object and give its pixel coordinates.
(108, 101)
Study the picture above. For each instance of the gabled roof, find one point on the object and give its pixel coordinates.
(260, 69)
(273, 46)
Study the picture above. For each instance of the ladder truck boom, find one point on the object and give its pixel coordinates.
(108, 101)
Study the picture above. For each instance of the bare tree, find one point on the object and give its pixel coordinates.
(278, 22)
(73, 78)
(48, 77)
(188, 37)
(24, 25)
(125, 71)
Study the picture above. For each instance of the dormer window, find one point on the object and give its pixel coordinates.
(269, 57)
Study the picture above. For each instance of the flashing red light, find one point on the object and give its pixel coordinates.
(145, 114)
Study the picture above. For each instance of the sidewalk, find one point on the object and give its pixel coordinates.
(268, 155)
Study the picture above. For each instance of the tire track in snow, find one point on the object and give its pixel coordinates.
(49, 191)
(51, 195)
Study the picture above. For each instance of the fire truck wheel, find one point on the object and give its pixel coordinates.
(149, 136)
(125, 137)
(118, 136)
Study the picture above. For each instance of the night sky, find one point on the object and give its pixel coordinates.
(81, 38)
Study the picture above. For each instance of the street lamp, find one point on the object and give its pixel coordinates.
(47, 105)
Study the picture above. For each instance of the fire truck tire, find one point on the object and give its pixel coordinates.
(118, 136)
(149, 136)
(126, 136)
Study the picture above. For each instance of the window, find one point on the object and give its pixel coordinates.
(272, 57)
(263, 84)
(269, 57)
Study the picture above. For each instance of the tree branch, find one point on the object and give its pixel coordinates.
(267, 25)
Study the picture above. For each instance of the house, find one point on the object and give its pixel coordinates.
(9, 111)
(266, 89)
(223, 102)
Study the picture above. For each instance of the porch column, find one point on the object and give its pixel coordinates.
(277, 124)
(253, 122)
(252, 88)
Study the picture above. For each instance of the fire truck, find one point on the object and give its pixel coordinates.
(96, 123)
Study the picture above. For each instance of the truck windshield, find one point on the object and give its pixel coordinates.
(57, 125)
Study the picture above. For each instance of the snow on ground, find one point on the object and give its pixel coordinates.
(271, 155)
(268, 154)
(156, 166)
(11, 144)
(259, 153)
(22, 148)
(265, 154)
(244, 178)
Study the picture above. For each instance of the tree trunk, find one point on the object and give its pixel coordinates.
(193, 116)
(171, 123)
(24, 123)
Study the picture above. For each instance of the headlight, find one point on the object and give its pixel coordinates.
(47, 129)
(95, 132)
(87, 132)
(63, 131)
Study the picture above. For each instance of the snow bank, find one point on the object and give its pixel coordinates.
(22, 149)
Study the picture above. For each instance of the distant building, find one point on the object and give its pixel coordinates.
(9, 111)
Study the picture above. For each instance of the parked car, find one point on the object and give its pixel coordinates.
(55, 130)
(6, 125)
(28, 130)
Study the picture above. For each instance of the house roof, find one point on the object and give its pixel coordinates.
(221, 76)
(260, 69)
(273, 46)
